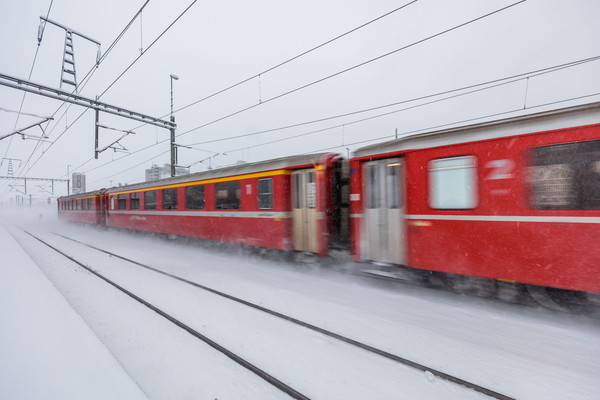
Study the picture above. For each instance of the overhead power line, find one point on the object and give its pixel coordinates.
(494, 82)
(481, 87)
(289, 60)
(137, 58)
(37, 49)
(350, 68)
(84, 82)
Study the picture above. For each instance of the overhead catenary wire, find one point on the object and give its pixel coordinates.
(84, 82)
(362, 64)
(136, 59)
(486, 86)
(459, 123)
(470, 89)
(506, 81)
(37, 49)
(322, 79)
(286, 61)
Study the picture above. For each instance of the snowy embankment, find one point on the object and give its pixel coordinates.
(46, 350)
(525, 353)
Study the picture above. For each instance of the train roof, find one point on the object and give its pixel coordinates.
(81, 195)
(241, 169)
(587, 114)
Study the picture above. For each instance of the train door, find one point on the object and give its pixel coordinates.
(304, 214)
(384, 211)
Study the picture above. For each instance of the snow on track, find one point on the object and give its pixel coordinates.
(522, 352)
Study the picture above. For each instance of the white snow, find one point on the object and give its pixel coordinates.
(46, 350)
(522, 352)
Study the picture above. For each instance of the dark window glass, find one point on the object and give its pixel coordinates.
(78, 204)
(122, 202)
(170, 199)
(265, 194)
(194, 197)
(372, 187)
(90, 204)
(566, 176)
(297, 181)
(150, 200)
(134, 201)
(83, 204)
(227, 196)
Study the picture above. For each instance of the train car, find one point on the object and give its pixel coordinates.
(286, 204)
(515, 200)
(89, 208)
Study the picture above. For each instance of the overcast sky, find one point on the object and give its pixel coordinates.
(217, 44)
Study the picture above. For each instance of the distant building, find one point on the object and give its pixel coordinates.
(155, 172)
(78, 181)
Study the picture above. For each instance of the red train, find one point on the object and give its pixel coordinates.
(514, 200)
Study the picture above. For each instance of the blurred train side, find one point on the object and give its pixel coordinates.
(514, 200)
(249, 204)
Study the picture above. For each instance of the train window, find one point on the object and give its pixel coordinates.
(150, 200)
(227, 195)
(112, 202)
(78, 204)
(121, 202)
(134, 201)
(393, 185)
(194, 197)
(452, 183)
(265, 194)
(311, 191)
(170, 199)
(372, 187)
(566, 176)
(84, 204)
(297, 190)
(90, 204)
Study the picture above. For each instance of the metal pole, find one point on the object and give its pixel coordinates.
(173, 148)
(172, 129)
(96, 145)
(68, 189)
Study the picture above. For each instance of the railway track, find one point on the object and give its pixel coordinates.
(238, 359)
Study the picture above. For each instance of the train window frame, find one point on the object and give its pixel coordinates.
(150, 200)
(265, 193)
(228, 195)
(372, 186)
(453, 183)
(297, 187)
(134, 201)
(83, 204)
(169, 196)
(195, 197)
(393, 185)
(122, 201)
(572, 174)
(90, 203)
(311, 189)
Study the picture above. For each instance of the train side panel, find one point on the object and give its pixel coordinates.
(507, 235)
(498, 208)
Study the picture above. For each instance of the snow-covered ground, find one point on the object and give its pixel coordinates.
(521, 352)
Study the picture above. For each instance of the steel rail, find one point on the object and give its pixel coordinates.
(363, 346)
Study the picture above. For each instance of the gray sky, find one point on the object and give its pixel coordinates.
(217, 44)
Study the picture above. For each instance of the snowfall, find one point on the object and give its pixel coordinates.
(65, 334)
